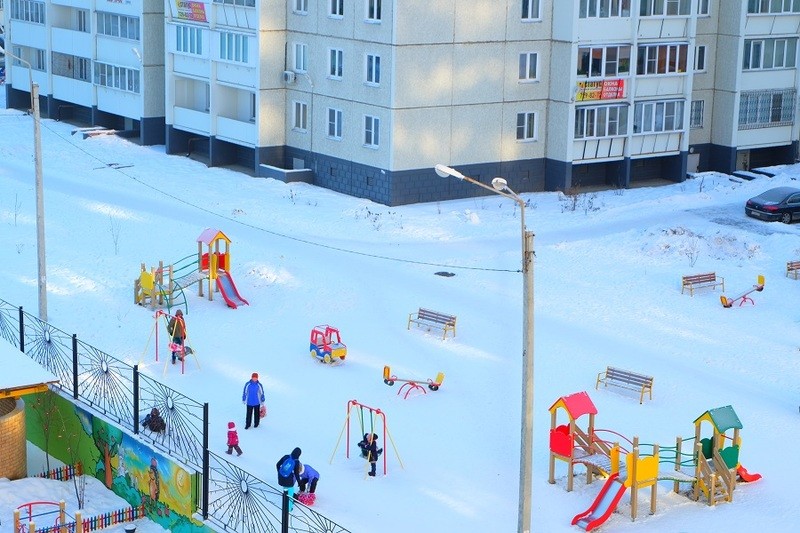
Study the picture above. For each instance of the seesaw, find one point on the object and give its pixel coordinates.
(745, 296)
(433, 384)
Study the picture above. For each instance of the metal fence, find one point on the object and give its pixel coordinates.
(230, 498)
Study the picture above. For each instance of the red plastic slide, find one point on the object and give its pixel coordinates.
(603, 505)
(747, 476)
(227, 288)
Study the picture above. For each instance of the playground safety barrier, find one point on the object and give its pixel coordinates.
(124, 393)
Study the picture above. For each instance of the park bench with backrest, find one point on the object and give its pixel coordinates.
(626, 380)
(701, 281)
(792, 269)
(433, 319)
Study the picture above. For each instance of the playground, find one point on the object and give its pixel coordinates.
(708, 465)
(607, 293)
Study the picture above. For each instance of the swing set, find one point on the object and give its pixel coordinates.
(373, 413)
(182, 350)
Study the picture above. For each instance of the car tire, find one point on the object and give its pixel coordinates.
(786, 218)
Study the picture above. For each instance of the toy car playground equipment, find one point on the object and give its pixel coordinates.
(745, 296)
(327, 345)
(412, 384)
(366, 426)
(712, 468)
(164, 285)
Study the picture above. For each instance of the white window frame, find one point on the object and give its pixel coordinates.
(665, 8)
(116, 25)
(650, 58)
(772, 7)
(335, 63)
(234, 47)
(300, 116)
(657, 117)
(253, 107)
(604, 8)
(531, 10)
(700, 58)
(336, 9)
(82, 20)
(373, 10)
(696, 114)
(189, 39)
(116, 77)
(601, 121)
(703, 8)
(300, 57)
(372, 131)
(605, 61)
(372, 69)
(527, 126)
(300, 7)
(765, 54)
(39, 60)
(528, 66)
(335, 119)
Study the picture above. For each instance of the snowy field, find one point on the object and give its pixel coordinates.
(607, 292)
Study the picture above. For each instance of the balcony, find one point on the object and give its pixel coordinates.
(191, 120)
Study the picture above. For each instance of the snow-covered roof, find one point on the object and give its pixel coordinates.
(20, 372)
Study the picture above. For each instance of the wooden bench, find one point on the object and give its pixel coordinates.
(700, 281)
(792, 269)
(432, 319)
(627, 380)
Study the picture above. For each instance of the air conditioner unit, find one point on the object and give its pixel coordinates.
(288, 76)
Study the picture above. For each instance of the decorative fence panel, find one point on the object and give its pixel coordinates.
(230, 497)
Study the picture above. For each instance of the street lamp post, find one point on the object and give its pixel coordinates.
(37, 163)
(500, 186)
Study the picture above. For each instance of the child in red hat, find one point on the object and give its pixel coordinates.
(233, 440)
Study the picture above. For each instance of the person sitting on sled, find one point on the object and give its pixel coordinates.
(154, 422)
(370, 450)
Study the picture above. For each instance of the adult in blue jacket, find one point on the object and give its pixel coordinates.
(253, 397)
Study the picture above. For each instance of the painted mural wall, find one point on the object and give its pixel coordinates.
(129, 468)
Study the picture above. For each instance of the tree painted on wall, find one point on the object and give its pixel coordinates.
(107, 439)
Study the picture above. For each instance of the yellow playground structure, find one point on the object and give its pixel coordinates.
(707, 463)
(165, 285)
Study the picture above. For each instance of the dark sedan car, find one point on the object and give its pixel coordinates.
(780, 203)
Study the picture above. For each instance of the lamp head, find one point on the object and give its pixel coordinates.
(499, 184)
(444, 171)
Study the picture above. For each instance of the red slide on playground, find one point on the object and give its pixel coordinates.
(746, 476)
(603, 505)
(228, 290)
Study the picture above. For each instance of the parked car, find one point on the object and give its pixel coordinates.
(780, 203)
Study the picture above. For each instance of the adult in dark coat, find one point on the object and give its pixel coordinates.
(177, 330)
(287, 481)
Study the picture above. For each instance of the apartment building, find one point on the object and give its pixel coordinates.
(365, 96)
(99, 62)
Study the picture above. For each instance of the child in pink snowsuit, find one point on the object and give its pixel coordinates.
(233, 440)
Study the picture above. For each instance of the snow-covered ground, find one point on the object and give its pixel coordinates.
(607, 292)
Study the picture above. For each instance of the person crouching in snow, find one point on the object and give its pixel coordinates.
(233, 440)
(370, 450)
(307, 479)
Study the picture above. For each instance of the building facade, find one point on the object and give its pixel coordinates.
(99, 62)
(365, 96)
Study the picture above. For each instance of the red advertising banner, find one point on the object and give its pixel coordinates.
(190, 10)
(600, 90)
